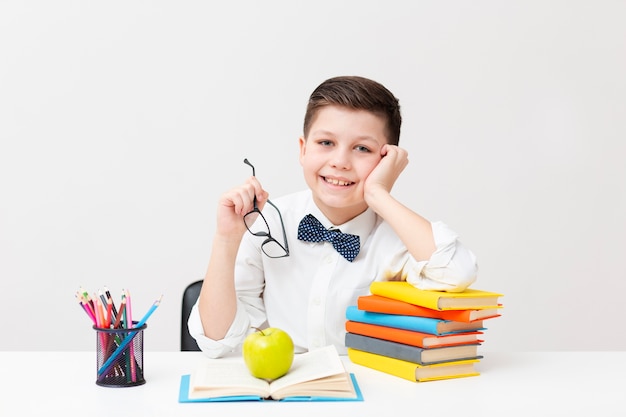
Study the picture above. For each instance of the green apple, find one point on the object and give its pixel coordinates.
(268, 353)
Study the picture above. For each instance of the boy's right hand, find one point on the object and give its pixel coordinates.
(235, 204)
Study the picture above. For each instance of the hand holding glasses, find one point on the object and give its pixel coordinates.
(258, 226)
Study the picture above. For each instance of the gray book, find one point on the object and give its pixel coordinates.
(410, 353)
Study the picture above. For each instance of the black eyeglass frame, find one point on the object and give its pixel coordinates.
(267, 235)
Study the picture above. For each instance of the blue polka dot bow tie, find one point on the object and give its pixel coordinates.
(311, 230)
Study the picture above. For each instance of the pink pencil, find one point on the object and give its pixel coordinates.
(99, 314)
(133, 368)
(89, 307)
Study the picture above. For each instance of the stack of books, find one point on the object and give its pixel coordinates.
(419, 335)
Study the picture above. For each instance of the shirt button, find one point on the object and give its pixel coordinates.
(328, 259)
(317, 301)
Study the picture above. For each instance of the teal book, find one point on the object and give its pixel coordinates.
(317, 375)
(409, 353)
(428, 325)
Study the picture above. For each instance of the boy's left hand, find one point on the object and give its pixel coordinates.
(382, 178)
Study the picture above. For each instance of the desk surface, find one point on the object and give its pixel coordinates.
(550, 383)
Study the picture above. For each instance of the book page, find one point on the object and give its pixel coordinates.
(336, 386)
(315, 364)
(219, 377)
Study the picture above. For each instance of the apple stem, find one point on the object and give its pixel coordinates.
(258, 330)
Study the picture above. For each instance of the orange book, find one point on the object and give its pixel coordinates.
(380, 304)
(410, 337)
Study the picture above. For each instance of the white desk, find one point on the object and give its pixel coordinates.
(510, 384)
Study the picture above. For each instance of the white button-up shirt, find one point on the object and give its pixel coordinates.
(307, 293)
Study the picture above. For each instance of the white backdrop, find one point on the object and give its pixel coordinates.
(122, 122)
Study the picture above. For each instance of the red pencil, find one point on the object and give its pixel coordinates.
(108, 294)
(118, 320)
(109, 312)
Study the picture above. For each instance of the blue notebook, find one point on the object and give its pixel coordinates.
(428, 325)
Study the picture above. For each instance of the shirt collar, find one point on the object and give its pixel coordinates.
(362, 225)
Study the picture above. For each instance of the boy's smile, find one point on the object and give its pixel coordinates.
(338, 182)
(342, 147)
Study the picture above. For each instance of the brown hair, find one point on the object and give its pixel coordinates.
(357, 93)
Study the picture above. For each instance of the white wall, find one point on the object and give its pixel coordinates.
(122, 122)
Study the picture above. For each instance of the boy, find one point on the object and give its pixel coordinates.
(350, 159)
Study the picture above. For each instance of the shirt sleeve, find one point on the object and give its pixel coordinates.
(250, 312)
(230, 342)
(452, 267)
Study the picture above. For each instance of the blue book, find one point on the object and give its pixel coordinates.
(420, 324)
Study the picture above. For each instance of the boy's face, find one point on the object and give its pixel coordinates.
(342, 148)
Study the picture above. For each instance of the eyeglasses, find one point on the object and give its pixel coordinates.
(270, 246)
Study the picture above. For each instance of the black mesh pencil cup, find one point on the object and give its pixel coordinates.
(120, 357)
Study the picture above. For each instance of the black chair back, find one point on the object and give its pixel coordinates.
(190, 296)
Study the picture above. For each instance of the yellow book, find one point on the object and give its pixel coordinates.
(414, 371)
(436, 300)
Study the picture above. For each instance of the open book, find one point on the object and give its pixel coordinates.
(317, 375)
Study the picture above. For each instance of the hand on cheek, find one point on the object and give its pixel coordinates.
(384, 175)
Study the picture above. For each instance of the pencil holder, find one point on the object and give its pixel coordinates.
(120, 357)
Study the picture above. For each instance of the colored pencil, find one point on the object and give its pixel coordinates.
(108, 294)
(102, 297)
(85, 308)
(131, 358)
(126, 326)
(118, 319)
(87, 305)
(98, 312)
(86, 295)
(125, 318)
(109, 314)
